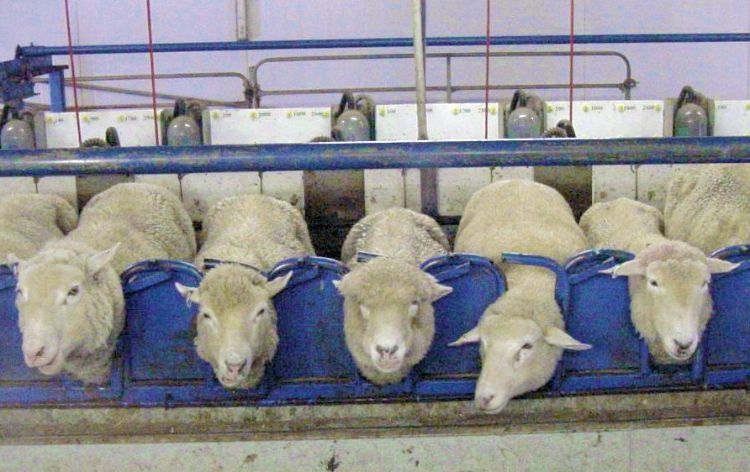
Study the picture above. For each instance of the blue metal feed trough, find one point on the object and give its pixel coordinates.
(156, 363)
(726, 340)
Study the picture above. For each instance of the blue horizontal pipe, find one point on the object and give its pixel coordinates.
(30, 51)
(374, 155)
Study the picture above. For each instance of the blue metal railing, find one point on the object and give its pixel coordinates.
(375, 155)
(29, 51)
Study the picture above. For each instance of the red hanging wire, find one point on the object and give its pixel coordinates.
(73, 72)
(572, 43)
(487, 76)
(153, 74)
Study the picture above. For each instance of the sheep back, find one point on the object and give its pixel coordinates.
(254, 229)
(396, 232)
(709, 207)
(29, 220)
(147, 220)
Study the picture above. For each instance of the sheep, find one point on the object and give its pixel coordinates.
(29, 220)
(521, 335)
(670, 301)
(388, 315)
(709, 206)
(69, 295)
(236, 325)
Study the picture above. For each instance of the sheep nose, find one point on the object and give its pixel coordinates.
(34, 353)
(235, 368)
(386, 350)
(484, 401)
(682, 346)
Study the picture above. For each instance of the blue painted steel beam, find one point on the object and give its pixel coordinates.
(57, 91)
(31, 51)
(375, 155)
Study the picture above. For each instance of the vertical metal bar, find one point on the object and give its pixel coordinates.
(57, 91)
(448, 79)
(419, 64)
(427, 177)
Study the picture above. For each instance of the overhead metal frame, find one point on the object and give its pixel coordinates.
(375, 155)
(625, 86)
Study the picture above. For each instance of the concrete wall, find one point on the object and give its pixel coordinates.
(719, 70)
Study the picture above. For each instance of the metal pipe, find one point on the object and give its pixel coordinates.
(625, 86)
(419, 66)
(375, 155)
(438, 88)
(448, 79)
(142, 93)
(32, 51)
(182, 75)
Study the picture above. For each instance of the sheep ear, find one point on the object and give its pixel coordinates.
(469, 337)
(14, 261)
(99, 260)
(439, 291)
(189, 293)
(719, 266)
(626, 269)
(558, 337)
(278, 284)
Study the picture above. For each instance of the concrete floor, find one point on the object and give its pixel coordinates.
(708, 448)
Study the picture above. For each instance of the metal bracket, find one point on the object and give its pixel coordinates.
(16, 76)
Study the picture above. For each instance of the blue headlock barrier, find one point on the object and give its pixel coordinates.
(156, 364)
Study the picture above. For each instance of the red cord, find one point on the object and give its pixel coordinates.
(73, 72)
(153, 74)
(572, 42)
(487, 77)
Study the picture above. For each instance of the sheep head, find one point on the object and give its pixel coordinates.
(518, 356)
(55, 299)
(670, 296)
(236, 323)
(392, 301)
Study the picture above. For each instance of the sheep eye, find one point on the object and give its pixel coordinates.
(261, 312)
(73, 291)
(527, 346)
(206, 316)
(653, 283)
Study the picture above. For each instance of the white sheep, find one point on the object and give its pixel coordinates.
(388, 315)
(70, 300)
(29, 220)
(709, 206)
(237, 320)
(521, 335)
(668, 280)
